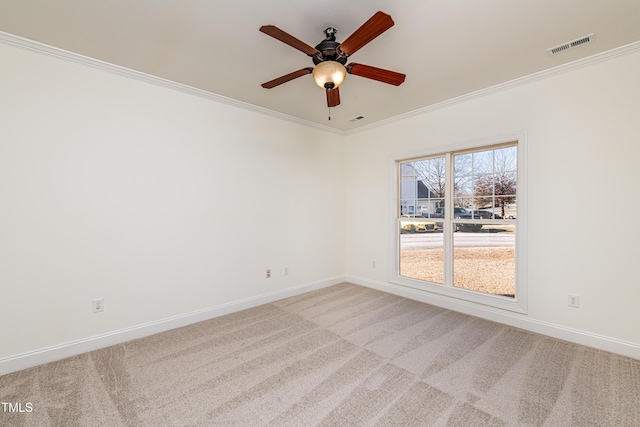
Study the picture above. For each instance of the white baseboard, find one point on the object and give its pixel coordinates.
(521, 321)
(61, 351)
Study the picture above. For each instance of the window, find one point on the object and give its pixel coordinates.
(459, 223)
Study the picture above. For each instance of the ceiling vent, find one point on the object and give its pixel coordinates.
(572, 44)
(355, 119)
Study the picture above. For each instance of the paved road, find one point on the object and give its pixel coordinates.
(461, 239)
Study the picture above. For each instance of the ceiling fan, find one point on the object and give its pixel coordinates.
(330, 57)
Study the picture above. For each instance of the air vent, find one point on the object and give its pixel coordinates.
(570, 45)
(355, 119)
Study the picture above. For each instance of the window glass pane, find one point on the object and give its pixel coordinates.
(506, 207)
(421, 252)
(431, 208)
(484, 259)
(484, 185)
(466, 227)
(506, 159)
(485, 211)
(431, 174)
(463, 165)
(463, 207)
(505, 184)
(464, 188)
(407, 190)
(483, 162)
(422, 186)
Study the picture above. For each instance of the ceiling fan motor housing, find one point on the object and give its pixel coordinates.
(329, 49)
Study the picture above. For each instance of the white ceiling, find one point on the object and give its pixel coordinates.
(447, 48)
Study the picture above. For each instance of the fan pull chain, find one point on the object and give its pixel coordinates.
(329, 113)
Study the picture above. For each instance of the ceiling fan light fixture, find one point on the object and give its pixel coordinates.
(329, 74)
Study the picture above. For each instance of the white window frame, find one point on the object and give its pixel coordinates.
(517, 304)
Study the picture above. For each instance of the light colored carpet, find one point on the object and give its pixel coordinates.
(341, 356)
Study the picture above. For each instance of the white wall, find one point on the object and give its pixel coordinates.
(160, 202)
(583, 131)
(165, 204)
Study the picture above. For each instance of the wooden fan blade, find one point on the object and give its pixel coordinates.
(376, 25)
(287, 38)
(379, 74)
(287, 77)
(333, 97)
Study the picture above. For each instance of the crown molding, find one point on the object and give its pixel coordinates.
(540, 75)
(42, 48)
(34, 46)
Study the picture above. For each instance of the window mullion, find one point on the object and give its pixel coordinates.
(448, 221)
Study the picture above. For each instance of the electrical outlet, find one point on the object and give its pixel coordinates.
(98, 305)
(573, 301)
(268, 273)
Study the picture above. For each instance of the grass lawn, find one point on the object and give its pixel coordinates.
(483, 269)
